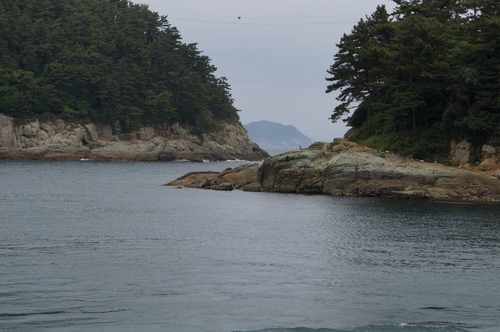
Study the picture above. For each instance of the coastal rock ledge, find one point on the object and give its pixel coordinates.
(56, 139)
(344, 168)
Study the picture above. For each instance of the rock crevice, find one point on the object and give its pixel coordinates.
(351, 170)
(60, 140)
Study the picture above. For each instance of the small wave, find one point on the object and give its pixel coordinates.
(435, 308)
(103, 312)
(33, 313)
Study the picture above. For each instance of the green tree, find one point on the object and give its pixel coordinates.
(434, 76)
(420, 66)
(105, 61)
(359, 68)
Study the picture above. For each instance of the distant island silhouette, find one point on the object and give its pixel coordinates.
(275, 135)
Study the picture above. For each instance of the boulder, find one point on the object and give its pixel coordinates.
(496, 174)
(42, 134)
(91, 133)
(49, 128)
(460, 152)
(31, 129)
(60, 125)
(76, 135)
(490, 158)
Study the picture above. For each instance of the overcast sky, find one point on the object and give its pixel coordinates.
(274, 53)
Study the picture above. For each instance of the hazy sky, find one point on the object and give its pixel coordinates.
(274, 53)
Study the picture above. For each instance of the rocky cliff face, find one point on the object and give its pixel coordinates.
(60, 140)
(346, 169)
(460, 153)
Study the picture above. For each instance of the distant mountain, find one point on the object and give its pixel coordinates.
(271, 134)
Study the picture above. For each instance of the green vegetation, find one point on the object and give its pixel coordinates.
(413, 80)
(105, 61)
(331, 145)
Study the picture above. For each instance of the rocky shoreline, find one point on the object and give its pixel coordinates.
(61, 140)
(344, 168)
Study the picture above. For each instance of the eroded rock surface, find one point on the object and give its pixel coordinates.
(346, 169)
(59, 140)
(243, 177)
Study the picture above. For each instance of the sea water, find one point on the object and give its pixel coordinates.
(104, 246)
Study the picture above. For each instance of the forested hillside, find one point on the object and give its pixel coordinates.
(104, 61)
(412, 80)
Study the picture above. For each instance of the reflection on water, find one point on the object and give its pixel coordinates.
(104, 247)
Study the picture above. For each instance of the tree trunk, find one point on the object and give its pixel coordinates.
(414, 115)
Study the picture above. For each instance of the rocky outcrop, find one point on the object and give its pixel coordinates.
(60, 140)
(460, 153)
(490, 158)
(346, 169)
(243, 177)
(352, 170)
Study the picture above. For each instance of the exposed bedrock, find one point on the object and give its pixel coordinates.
(346, 169)
(59, 140)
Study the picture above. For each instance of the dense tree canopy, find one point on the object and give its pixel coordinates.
(429, 72)
(104, 60)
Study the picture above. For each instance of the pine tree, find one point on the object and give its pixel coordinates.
(104, 61)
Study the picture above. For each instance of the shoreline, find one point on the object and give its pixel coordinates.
(351, 170)
(60, 140)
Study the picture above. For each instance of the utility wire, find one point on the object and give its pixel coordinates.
(241, 23)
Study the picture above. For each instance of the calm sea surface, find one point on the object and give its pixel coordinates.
(103, 246)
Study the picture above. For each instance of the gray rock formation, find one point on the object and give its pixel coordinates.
(242, 177)
(59, 140)
(346, 169)
(352, 170)
(460, 152)
(8, 135)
